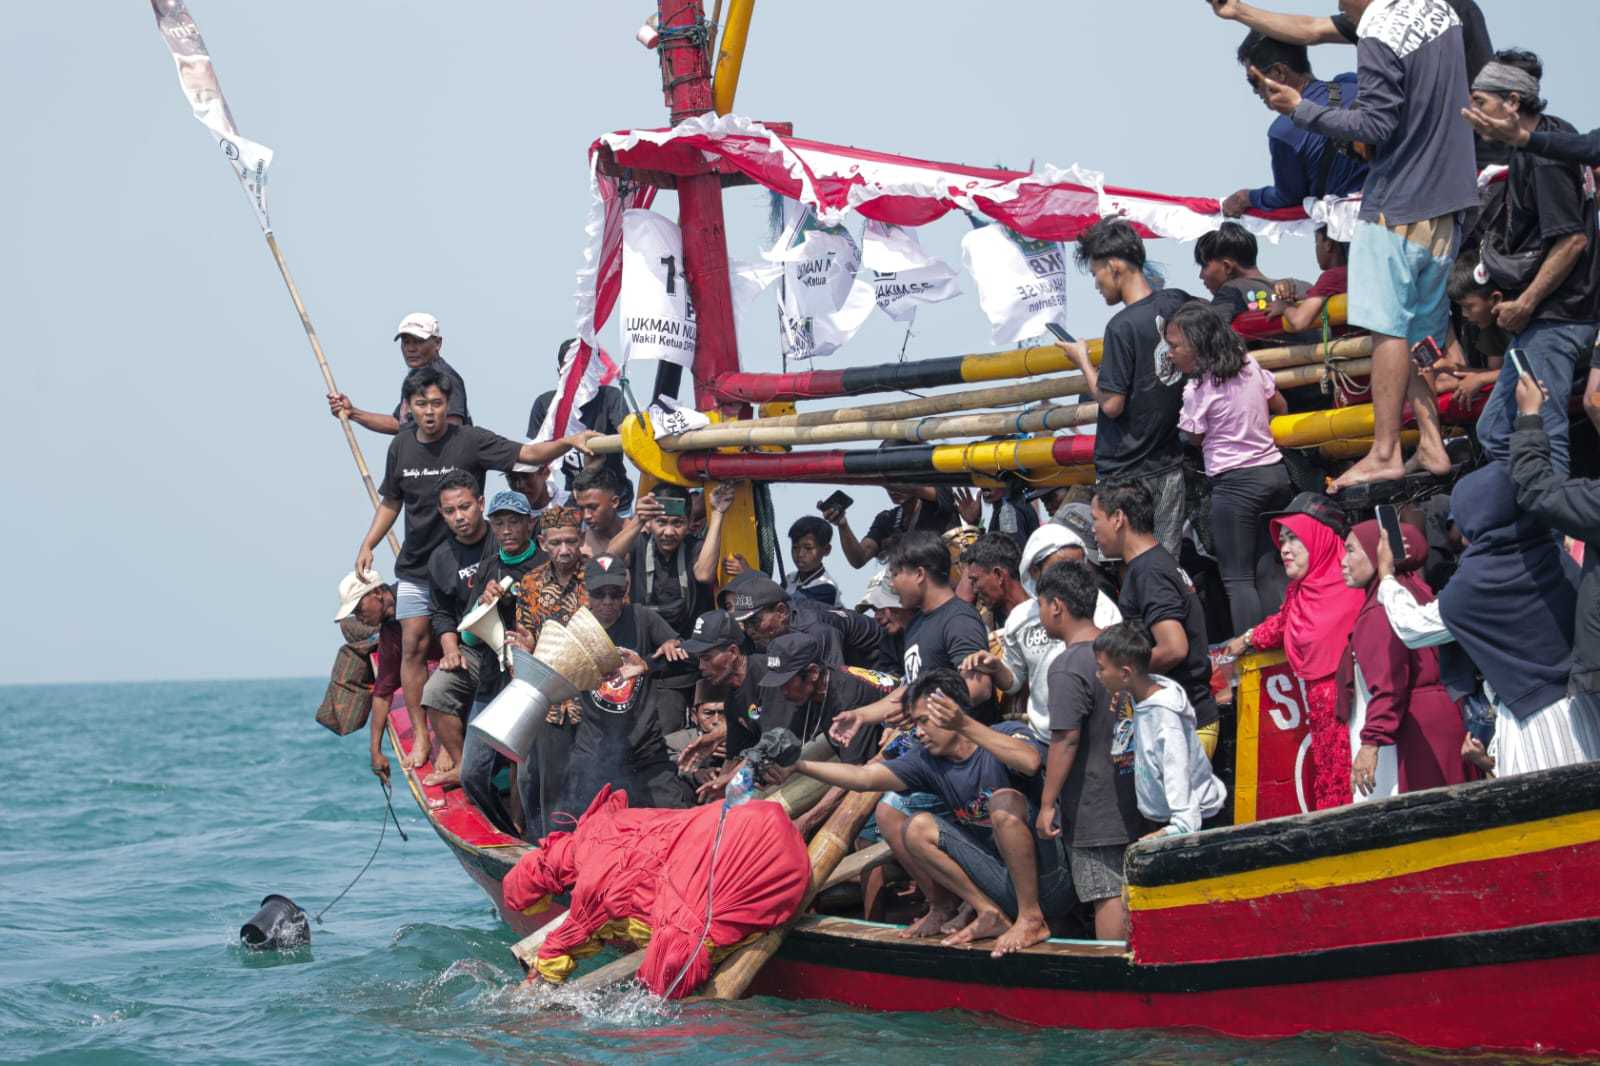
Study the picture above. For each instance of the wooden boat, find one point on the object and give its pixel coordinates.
(1466, 917)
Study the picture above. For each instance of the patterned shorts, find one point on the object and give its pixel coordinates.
(1096, 871)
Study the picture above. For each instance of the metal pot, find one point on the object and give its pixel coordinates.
(508, 723)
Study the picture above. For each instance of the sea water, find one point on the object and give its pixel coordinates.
(140, 825)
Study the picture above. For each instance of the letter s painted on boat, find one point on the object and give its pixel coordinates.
(1283, 706)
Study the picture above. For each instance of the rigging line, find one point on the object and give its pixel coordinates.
(383, 828)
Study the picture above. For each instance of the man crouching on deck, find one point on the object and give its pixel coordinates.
(986, 856)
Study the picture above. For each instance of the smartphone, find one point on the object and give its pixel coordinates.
(673, 506)
(1426, 353)
(1389, 519)
(1519, 361)
(1060, 332)
(839, 501)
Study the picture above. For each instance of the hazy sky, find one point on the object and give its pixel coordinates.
(183, 505)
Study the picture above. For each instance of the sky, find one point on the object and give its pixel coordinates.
(186, 505)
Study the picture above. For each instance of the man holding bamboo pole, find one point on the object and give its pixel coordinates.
(424, 452)
(420, 343)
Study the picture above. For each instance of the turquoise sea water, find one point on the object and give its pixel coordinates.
(142, 824)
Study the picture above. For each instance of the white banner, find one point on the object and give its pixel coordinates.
(903, 275)
(1022, 283)
(657, 316)
(823, 303)
(668, 417)
(198, 79)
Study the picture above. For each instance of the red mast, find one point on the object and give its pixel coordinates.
(686, 83)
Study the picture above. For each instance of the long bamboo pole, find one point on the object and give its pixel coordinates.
(1044, 419)
(730, 57)
(730, 435)
(327, 378)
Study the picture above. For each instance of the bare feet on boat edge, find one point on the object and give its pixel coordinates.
(418, 757)
(1366, 472)
(443, 763)
(444, 778)
(1024, 933)
(963, 917)
(929, 924)
(987, 925)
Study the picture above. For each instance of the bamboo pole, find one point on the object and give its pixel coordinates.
(859, 863)
(526, 950)
(730, 57)
(1038, 420)
(327, 379)
(730, 434)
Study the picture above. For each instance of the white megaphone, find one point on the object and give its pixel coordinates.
(483, 622)
(507, 724)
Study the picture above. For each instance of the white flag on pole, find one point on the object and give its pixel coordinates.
(903, 275)
(1022, 283)
(657, 315)
(824, 303)
(198, 79)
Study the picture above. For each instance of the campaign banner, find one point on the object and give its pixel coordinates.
(1022, 283)
(658, 319)
(904, 277)
(823, 302)
(198, 80)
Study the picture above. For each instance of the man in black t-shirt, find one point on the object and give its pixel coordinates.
(1227, 260)
(420, 342)
(672, 570)
(766, 612)
(452, 567)
(1138, 388)
(1159, 595)
(1549, 214)
(619, 739)
(715, 640)
(515, 553)
(915, 507)
(945, 629)
(422, 453)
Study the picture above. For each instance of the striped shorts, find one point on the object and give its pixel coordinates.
(1562, 734)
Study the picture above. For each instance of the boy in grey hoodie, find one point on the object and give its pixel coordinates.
(1172, 776)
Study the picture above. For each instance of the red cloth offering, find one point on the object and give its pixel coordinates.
(629, 866)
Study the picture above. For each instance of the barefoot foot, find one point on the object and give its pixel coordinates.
(986, 925)
(418, 757)
(1025, 932)
(928, 925)
(1367, 471)
(444, 778)
(443, 761)
(962, 919)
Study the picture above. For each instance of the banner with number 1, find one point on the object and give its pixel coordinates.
(657, 315)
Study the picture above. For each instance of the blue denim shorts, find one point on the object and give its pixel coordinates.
(410, 599)
(908, 804)
(1398, 275)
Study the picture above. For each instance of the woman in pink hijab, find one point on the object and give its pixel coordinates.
(1313, 628)
(1405, 729)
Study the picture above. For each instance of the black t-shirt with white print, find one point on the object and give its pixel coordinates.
(1136, 363)
(412, 473)
(942, 638)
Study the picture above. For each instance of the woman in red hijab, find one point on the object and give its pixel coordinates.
(1403, 725)
(1313, 628)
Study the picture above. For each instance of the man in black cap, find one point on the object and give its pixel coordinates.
(643, 631)
(767, 612)
(813, 693)
(717, 643)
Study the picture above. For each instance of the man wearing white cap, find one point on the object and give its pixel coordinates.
(420, 342)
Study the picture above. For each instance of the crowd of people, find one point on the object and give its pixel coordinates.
(1033, 693)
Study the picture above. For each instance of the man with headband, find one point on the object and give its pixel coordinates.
(1540, 251)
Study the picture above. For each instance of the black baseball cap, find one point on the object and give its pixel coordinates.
(1316, 506)
(788, 655)
(714, 629)
(604, 573)
(752, 591)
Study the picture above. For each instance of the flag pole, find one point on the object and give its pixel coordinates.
(327, 378)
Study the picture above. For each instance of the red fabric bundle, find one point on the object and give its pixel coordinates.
(654, 866)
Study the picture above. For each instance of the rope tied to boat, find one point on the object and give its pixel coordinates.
(383, 827)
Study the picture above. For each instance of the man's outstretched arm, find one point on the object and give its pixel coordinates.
(1290, 29)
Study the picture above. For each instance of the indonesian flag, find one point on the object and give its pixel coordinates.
(589, 368)
(198, 79)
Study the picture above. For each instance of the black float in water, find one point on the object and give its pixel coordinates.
(277, 926)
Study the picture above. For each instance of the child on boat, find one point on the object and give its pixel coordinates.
(1172, 776)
